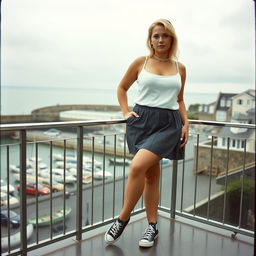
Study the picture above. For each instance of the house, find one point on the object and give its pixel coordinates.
(243, 102)
(207, 111)
(223, 104)
(218, 110)
(236, 108)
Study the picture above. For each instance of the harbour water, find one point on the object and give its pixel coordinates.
(17, 100)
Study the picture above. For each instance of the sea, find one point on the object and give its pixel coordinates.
(21, 100)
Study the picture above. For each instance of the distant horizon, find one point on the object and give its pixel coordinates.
(111, 89)
(22, 100)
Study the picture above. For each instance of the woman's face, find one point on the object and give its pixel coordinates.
(161, 40)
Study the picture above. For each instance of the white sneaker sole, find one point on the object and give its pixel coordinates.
(110, 242)
(147, 244)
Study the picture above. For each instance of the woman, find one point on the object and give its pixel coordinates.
(156, 128)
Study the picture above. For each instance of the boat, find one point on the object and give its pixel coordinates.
(30, 167)
(4, 199)
(165, 161)
(60, 157)
(60, 164)
(58, 176)
(87, 177)
(45, 219)
(5, 187)
(100, 174)
(15, 238)
(119, 161)
(33, 159)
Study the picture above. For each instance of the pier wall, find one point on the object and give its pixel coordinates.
(219, 159)
(52, 113)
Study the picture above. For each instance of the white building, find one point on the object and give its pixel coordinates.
(242, 102)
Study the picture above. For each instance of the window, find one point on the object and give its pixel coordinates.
(228, 103)
(222, 103)
(242, 146)
(223, 142)
(233, 143)
(221, 116)
(239, 102)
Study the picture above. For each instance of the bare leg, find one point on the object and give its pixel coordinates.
(151, 192)
(141, 162)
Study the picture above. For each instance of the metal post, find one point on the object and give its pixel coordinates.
(79, 188)
(196, 172)
(23, 199)
(226, 184)
(92, 206)
(174, 188)
(103, 181)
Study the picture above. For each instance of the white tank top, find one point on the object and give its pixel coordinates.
(158, 90)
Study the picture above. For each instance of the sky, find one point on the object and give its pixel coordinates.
(90, 44)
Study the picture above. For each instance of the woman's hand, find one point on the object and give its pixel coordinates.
(132, 113)
(184, 135)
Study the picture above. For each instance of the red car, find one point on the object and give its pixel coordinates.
(31, 189)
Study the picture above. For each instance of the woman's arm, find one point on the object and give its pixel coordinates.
(129, 78)
(182, 107)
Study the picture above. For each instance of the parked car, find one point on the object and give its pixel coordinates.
(4, 199)
(13, 218)
(4, 187)
(31, 189)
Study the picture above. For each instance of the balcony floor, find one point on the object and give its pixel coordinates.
(176, 237)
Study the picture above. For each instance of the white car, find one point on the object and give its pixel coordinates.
(4, 199)
(4, 187)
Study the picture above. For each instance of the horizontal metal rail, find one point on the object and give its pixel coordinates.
(45, 125)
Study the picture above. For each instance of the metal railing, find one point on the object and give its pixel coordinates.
(117, 183)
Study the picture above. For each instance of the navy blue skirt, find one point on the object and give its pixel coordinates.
(157, 130)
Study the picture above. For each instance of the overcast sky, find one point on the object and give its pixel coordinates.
(87, 44)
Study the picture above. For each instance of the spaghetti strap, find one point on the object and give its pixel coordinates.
(145, 62)
(177, 65)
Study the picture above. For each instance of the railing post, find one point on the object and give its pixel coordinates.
(23, 199)
(79, 184)
(174, 188)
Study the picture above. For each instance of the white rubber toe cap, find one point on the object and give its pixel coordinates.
(109, 239)
(145, 243)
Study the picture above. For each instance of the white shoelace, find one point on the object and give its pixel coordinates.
(149, 231)
(115, 228)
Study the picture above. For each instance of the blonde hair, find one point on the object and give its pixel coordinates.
(173, 54)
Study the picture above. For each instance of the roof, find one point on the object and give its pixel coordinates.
(249, 92)
(226, 132)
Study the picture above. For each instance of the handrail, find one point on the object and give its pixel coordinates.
(44, 125)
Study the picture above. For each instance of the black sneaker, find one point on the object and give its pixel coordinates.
(150, 234)
(115, 231)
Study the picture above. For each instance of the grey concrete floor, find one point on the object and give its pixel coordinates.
(175, 238)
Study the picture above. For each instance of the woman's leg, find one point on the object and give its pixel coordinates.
(151, 192)
(141, 163)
